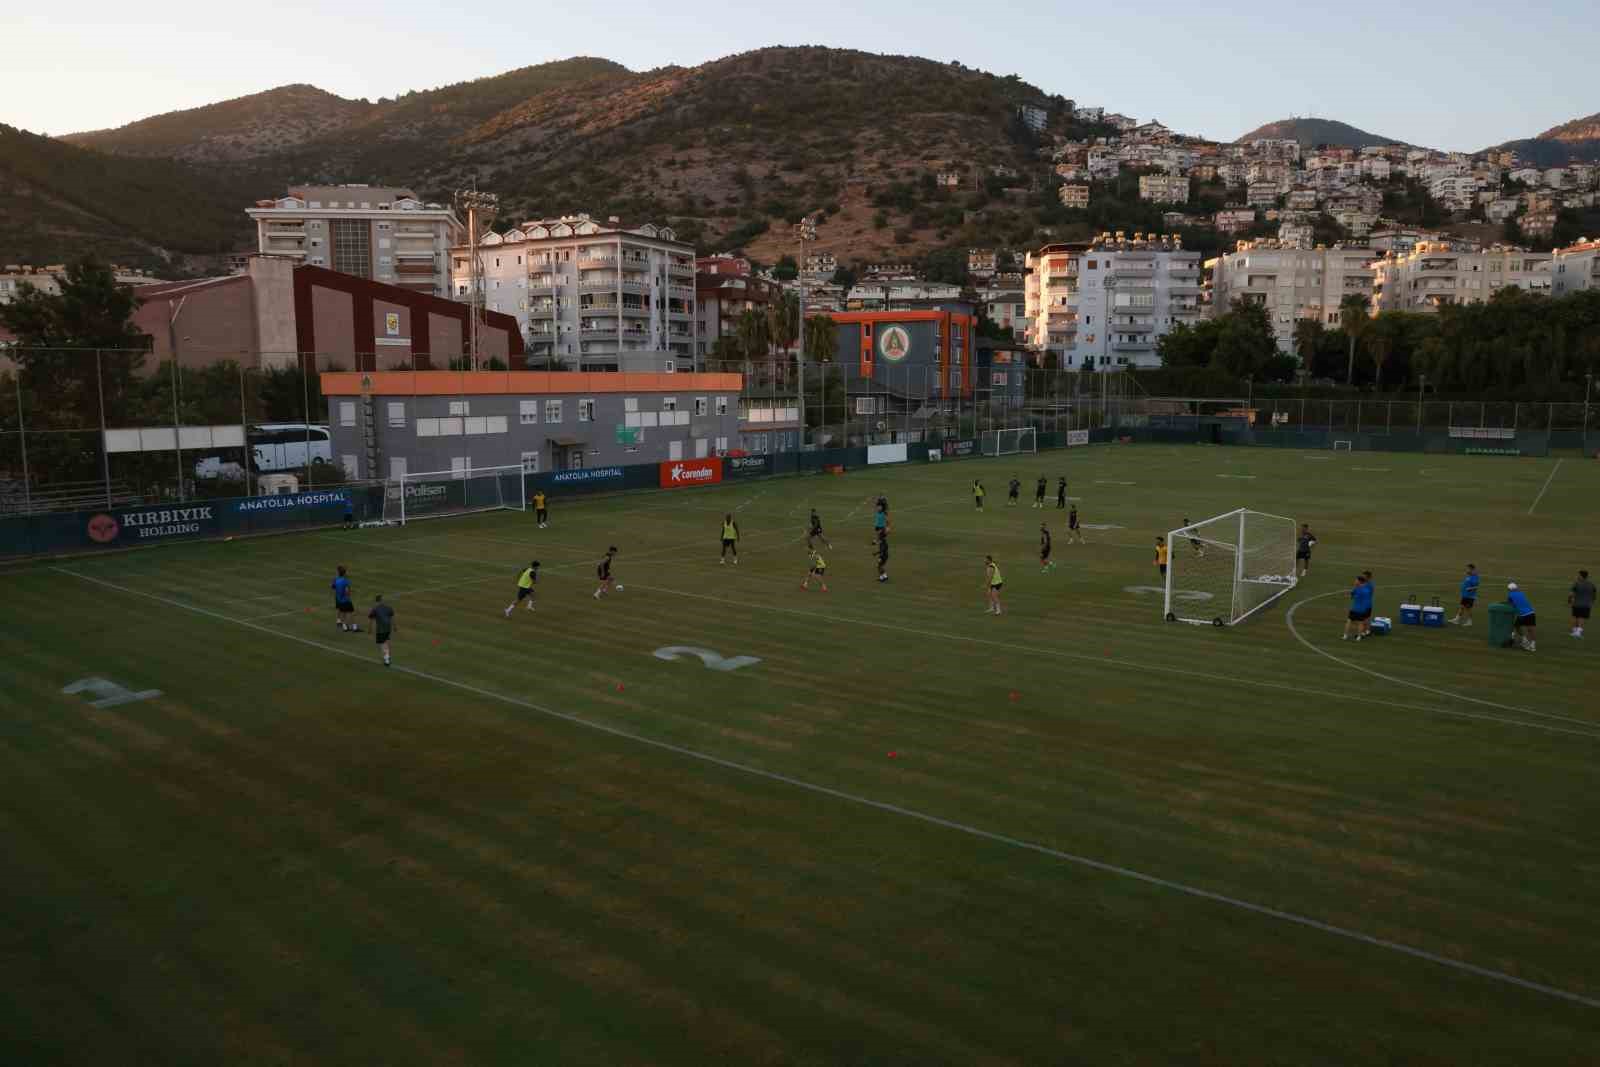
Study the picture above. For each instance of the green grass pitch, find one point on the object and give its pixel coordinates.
(1101, 838)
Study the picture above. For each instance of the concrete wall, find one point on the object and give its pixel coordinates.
(597, 444)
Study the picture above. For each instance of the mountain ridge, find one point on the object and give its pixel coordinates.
(1313, 132)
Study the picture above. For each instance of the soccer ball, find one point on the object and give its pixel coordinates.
(619, 587)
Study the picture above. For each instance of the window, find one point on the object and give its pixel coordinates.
(528, 412)
(866, 405)
(630, 404)
(427, 427)
(669, 367)
(552, 411)
(397, 413)
(397, 467)
(460, 466)
(722, 444)
(586, 411)
(669, 403)
(530, 463)
(347, 413)
(702, 405)
(722, 405)
(460, 407)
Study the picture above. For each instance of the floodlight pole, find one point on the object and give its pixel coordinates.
(805, 230)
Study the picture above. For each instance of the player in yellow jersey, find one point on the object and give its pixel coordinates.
(541, 514)
(819, 571)
(977, 493)
(525, 583)
(993, 583)
(730, 539)
(1161, 556)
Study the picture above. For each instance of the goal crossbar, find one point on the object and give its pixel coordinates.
(1227, 568)
(1010, 442)
(465, 491)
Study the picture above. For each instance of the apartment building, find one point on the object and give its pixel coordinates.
(590, 295)
(1434, 275)
(1539, 223)
(982, 262)
(1035, 118)
(1075, 196)
(1234, 220)
(14, 276)
(384, 234)
(1576, 268)
(1292, 282)
(1106, 303)
(1163, 188)
(722, 298)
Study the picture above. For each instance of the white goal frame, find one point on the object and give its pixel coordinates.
(1279, 578)
(1023, 439)
(394, 492)
(1348, 446)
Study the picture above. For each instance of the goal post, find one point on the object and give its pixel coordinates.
(1010, 442)
(1225, 569)
(436, 494)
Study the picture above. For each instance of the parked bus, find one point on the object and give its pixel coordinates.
(287, 446)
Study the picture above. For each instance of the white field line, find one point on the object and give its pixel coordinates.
(1546, 488)
(403, 592)
(904, 812)
(1117, 661)
(1593, 728)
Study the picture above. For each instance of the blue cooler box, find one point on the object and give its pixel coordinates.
(1410, 614)
(1433, 615)
(1381, 626)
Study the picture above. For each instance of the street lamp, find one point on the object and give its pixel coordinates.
(480, 208)
(805, 231)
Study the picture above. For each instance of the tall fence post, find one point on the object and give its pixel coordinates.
(177, 441)
(22, 439)
(105, 451)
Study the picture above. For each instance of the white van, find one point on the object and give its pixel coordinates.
(283, 446)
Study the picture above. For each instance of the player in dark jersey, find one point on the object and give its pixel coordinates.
(1046, 564)
(382, 616)
(814, 532)
(1304, 543)
(1198, 545)
(883, 555)
(603, 573)
(1074, 531)
(1039, 491)
(1061, 494)
(1014, 488)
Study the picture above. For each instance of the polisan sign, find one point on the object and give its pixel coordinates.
(677, 473)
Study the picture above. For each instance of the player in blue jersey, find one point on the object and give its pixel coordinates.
(1359, 621)
(344, 608)
(1469, 597)
(1522, 631)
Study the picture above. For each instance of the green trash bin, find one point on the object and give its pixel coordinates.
(1502, 617)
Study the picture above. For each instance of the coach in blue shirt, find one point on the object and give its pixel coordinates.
(1523, 630)
(1360, 619)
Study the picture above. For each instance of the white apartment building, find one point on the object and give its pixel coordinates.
(1106, 304)
(14, 276)
(384, 234)
(1074, 196)
(1434, 275)
(1163, 189)
(1007, 308)
(590, 295)
(1576, 268)
(1292, 283)
(1455, 191)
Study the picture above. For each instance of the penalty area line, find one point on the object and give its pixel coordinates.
(1022, 844)
(1546, 488)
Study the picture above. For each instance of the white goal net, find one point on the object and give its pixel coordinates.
(1010, 442)
(435, 494)
(1223, 570)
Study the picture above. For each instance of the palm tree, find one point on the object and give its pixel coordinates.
(822, 339)
(755, 336)
(1380, 346)
(1354, 318)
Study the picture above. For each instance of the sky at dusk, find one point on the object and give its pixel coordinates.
(1462, 77)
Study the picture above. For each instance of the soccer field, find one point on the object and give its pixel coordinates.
(910, 833)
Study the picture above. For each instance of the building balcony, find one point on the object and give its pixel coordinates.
(1145, 344)
(273, 250)
(1184, 287)
(534, 289)
(681, 292)
(425, 269)
(681, 271)
(596, 332)
(414, 253)
(597, 281)
(1133, 327)
(637, 288)
(1133, 270)
(541, 329)
(597, 262)
(285, 229)
(685, 313)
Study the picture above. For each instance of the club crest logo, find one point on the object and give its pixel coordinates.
(894, 344)
(103, 529)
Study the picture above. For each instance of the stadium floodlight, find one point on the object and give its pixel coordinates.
(1225, 569)
(437, 494)
(1009, 442)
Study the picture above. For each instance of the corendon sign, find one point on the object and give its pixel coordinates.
(678, 473)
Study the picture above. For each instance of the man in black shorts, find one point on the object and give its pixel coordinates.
(1039, 491)
(1074, 531)
(1582, 600)
(1302, 549)
(603, 573)
(1046, 564)
(814, 533)
(1195, 543)
(883, 555)
(382, 616)
(1014, 488)
(1061, 494)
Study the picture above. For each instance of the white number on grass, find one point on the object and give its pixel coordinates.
(711, 659)
(1182, 594)
(105, 693)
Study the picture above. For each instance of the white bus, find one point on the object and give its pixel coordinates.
(285, 446)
